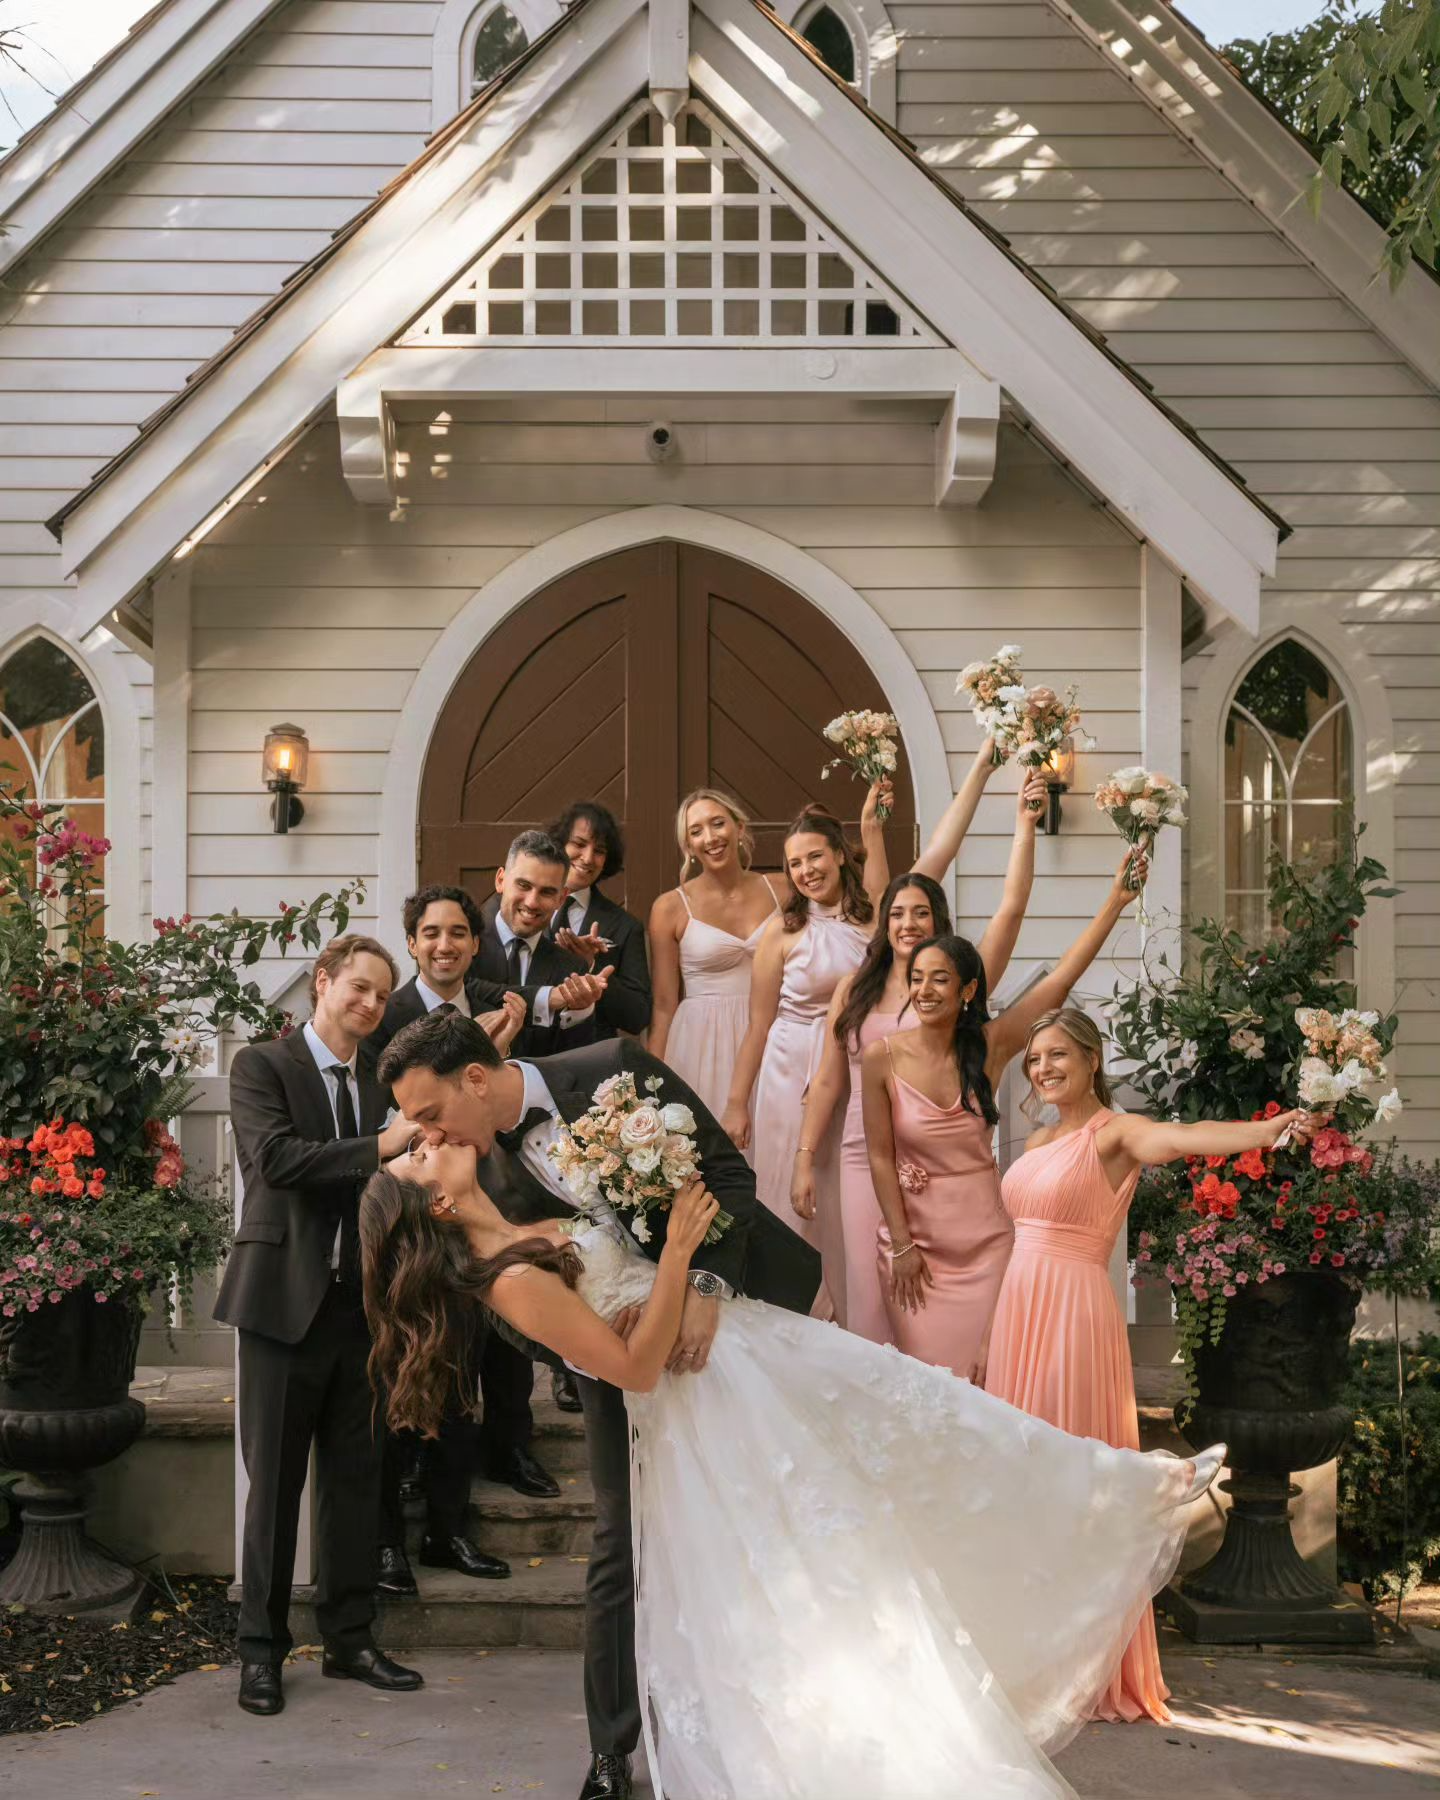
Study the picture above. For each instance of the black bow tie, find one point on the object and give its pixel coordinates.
(512, 1140)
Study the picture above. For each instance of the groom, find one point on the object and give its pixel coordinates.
(451, 1083)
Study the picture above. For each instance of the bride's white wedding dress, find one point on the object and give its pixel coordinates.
(859, 1576)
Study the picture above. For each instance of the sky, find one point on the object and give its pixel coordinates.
(64, 37)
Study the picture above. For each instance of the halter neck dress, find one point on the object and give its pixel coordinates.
(1059, 1348)
(714, 1011)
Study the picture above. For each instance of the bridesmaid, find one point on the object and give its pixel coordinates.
(703, 936)
(818, 938)
(1058, 1347)
(929, 1111)
(867, 1007)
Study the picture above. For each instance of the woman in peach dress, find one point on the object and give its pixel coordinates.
(929, 1109)
(1058, 1347)
(867, 1007)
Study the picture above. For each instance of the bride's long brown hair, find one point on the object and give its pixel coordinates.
(423, 1290)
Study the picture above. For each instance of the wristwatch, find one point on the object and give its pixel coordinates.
(710, 1286)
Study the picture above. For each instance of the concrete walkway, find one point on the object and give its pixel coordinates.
(509, 1722)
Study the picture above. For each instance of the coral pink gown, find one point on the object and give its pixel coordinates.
(1059, 1350)
(829, 948)
(956, 1218)
(714, 1012)
(863, 1309)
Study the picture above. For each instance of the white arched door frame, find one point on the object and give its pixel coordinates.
(101, 664)
(520, 580)
(1373, 736)
(453, 47)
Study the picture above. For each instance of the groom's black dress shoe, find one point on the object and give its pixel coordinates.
(520, 1471)
(373, 1667)
(459, 1553)
(564, 1391)
(396, 1575)
(609, 1779)
(260, 1689)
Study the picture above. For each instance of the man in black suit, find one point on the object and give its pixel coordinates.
(589, 926)
(453, 1084)
(309, 1121)
(442, 932)
(517, 952)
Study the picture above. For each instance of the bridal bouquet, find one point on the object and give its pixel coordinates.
(865, 740)
(995, 690)
(1138, 802)
(632, 1152)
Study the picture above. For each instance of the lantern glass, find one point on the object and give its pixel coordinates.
(287, 756)
(1060, 764)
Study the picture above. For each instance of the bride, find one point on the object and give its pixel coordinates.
(857, 1574)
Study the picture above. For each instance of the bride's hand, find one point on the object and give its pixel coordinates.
(691, 1214)
(909, 1277)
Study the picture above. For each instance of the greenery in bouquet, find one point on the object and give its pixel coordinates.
(1244, 1032)
(98, 1040)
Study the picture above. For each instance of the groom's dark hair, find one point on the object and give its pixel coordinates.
(444, 1041)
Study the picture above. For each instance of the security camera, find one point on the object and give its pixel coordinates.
(660, 443)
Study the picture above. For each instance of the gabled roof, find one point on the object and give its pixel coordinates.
(104, 115)
(433, 220)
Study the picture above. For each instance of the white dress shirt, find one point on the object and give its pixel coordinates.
(459, 1000)
(540, 1007)
(325, 1060)
(572, 910)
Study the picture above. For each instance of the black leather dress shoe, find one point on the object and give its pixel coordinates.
(260, 1689)
(564, 1391)
(373, 1667)
(459, 1553)
(520, 1471)
(609, 1779)
(396, 1575)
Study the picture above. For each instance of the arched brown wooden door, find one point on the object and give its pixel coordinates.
(631, 681)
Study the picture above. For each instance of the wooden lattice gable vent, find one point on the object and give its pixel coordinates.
(671, 233)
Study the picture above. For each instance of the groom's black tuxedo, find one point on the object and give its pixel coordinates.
(757, 1255)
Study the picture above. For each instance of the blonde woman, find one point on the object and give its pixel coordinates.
(703, 935)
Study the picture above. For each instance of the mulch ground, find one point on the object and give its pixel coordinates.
(57, 1672)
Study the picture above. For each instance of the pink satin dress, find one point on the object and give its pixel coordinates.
(714, 1011)
(862, 1289)
(1059, 1348)
(951, 1188)
(828, 949)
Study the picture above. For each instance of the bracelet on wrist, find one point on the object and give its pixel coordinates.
(904, 1250)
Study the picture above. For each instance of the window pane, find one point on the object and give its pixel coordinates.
(41, 690)
(828, 33)
(1323, 769)
(1250, 835)
(497, 43)
(1288, 690)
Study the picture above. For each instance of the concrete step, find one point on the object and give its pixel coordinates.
(541, 1607)
(509, 1524)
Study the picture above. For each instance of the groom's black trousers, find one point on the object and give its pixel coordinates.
(612, 1700)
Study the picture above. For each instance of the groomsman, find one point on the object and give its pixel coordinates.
(591, 927)
(442, 933)
(518, 953)
(309, 1122)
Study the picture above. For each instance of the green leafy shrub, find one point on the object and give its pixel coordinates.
(1380, 1547)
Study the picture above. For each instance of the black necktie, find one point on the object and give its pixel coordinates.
(511, 1140)
(512, 961)
(347, 1126)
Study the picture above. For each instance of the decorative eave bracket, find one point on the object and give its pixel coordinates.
(967, 402)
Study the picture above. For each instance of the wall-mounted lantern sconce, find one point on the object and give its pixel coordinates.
(1059, 771)
(287, 763)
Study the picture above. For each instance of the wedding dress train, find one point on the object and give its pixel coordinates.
(858, 1575)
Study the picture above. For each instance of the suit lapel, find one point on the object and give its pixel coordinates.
(313, 1091)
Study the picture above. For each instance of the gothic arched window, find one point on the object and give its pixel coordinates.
(834, 40)
(1289, 776)
(496, 44)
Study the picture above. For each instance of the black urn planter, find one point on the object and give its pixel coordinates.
(65, 1407)
(1271, 1390)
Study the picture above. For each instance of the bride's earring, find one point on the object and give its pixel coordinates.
(445, 1205)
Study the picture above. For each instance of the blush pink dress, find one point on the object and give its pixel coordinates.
(714, 1011)
(860, 1220)
(952, 1204)
(1059, 1349)
(828, 949)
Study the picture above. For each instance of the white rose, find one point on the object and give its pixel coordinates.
(1387, 1107)
(645, 1160)
(640, 1228)
(1009, 653)
(1012, 696)
(1146, 811)
(677, 1117)
(641, 1127)
(1317, 1083)
(1369, 1020)
(1349, 1078)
